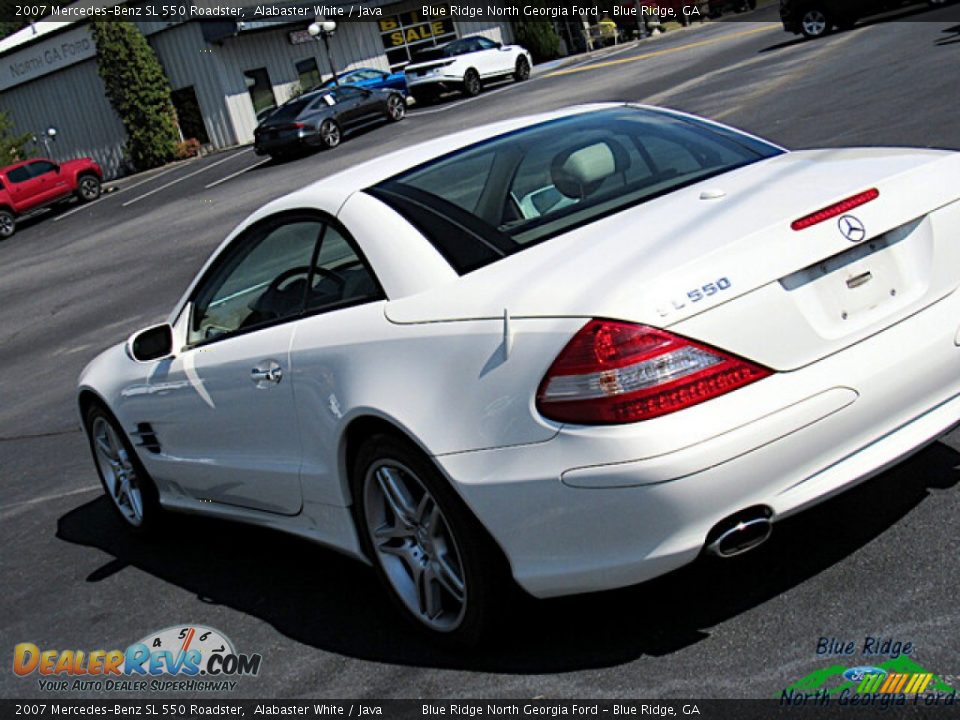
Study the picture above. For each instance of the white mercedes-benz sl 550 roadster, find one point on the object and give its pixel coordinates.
(572, 351)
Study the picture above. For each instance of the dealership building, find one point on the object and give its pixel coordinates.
(223, 73)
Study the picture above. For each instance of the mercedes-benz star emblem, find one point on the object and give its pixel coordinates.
(851, 228)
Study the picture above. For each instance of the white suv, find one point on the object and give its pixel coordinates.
(463, 65)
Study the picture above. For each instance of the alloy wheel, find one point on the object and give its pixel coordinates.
(472, 83)
(89, 188)
(119, 474)
(7, 224)
(814, 23)
(330, 134)
(414, 545)
(396, 108)
(523, 69)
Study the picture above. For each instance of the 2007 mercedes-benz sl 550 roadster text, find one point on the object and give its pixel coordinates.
(573, 350)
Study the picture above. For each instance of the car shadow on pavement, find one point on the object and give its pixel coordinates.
(325, 600)
(952, 36)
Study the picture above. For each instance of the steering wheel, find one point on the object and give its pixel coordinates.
(334, 275)
(276, 299)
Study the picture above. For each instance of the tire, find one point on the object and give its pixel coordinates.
(471, 83)
(88, 188)
(522, 71)
(396, 108)
(8, 224)
(815, 22)
(131, 492)
(438, 564)
(330, 134)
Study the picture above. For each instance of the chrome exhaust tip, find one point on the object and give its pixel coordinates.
(741, 532)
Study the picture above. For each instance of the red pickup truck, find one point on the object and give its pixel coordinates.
(39, 183)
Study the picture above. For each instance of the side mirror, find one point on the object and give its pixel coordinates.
(498, 45)
(154, 343)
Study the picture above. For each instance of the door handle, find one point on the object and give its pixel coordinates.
(268, 374)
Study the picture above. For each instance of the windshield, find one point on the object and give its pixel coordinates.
(488, 200)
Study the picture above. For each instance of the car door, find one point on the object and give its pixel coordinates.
(344, 308)
(348, 105)
(490, 59)
(25, 190)
(51, 183)
(222, 410)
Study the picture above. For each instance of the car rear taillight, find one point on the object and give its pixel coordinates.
(836, 209)
(616, 372)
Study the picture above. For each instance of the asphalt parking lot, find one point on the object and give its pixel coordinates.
(882, 560)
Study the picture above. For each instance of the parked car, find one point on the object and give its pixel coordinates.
(371, 79)
(38, 183)
(464, 65)
(320, 119)
(816, 18)
(577, 350)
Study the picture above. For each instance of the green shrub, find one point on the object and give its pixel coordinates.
(538, 37)
(13, 146)
(139, 91)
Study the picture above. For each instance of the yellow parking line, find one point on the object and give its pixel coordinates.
(665, 51)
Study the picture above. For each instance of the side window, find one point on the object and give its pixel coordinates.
(347, 93)
(260, 280)
(19, 175)
(485, 44)
(457, 48)
(340, 276)
(42, 167)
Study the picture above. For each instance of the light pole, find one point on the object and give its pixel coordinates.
(325, 29)
(48, 136)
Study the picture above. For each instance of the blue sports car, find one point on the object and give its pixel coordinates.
(371, 79)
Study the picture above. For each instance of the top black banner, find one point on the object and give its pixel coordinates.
(617, 11)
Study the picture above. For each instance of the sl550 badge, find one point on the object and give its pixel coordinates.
(695, 295)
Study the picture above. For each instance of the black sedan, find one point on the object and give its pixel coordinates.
(322, 118)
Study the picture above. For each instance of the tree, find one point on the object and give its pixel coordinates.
(13, 147)
(139, 91)
(538, 37)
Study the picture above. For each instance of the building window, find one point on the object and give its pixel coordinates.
(261, 91)
(309, 73)
(404, 34)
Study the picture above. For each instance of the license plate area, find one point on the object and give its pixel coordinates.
(865, 284)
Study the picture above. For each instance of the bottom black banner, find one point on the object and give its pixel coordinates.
(813, 705)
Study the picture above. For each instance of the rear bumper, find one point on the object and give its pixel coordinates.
(285, 143)
(598, 508)
(434, 83)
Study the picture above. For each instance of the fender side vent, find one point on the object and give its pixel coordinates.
(147, 438)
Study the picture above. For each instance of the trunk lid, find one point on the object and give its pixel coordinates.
(719, 262)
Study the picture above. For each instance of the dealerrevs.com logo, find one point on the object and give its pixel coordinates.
(181, 658)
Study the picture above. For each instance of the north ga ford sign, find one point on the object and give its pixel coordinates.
(35, 61)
